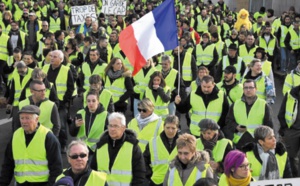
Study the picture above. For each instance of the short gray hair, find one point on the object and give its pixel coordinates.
(262, 132)
(21, 64)
(166, 58)
(60, 54)
(77, 142)
(117, 115)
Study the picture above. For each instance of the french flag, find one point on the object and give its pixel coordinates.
(154, 33)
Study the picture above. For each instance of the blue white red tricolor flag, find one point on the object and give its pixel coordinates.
(154, 33)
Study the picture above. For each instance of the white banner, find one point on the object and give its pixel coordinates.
(281, 182)
(114, 7)
(79, 13)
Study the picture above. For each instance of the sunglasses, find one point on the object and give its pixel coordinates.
(142, 110)
(75, 156)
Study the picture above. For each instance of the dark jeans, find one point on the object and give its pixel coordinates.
(292, 143)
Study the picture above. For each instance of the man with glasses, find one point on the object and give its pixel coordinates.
(80, 173)
(119, 155)
(246, 114)
(33, 155)
(49, 116)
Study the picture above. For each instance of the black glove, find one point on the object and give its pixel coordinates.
(281, 131)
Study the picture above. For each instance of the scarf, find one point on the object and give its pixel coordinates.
(114, 74)
(198, 81)
(165, 73)
(239, 182)
(209, 144)
(269, 169)
(142, 122)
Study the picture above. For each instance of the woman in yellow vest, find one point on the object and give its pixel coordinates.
(189, 165)
(269, 158)
(90, 122)
(159, 93)
(146, 124)
(202, 71)
(161, 150)
(80, 173)
(236, 170)
(118, 81)
(213, 141)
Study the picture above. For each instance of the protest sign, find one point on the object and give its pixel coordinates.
(79, 13)
(115, 7)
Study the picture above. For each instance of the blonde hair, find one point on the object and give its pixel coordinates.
(146, 103)
(186, 140)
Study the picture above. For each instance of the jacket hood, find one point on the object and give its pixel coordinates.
(295, 92)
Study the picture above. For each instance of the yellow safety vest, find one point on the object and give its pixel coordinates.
(295, 39)
(160, 107)
(141, 81)
(3, 46)
(95, 178)
(46, 108)
(121, 171)
(238, 66)
(95, 131)
(199, 111)
(171, 78)
(151, 130)
(234, 94)
(175, 179)
(254, 118)
(284, 31)
(19, 86)
(292, 80)
(261, 86)
(219, 47)
(5, 29)
(186, 67)
(204, 57)
(257, 166)
(247, 56)
(125, 60)
(267, 67)
(160, 159)
(104, 98)
(31, 164)
(270, 46)
(291, 110)
(86, 70)
(54, 24)
(202, 26)
(218, 151)
(60, 81)
(117, 88)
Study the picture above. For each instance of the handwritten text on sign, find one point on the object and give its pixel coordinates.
(79, 13)
(115, 7)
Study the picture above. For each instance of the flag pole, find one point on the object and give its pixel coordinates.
(179, 75)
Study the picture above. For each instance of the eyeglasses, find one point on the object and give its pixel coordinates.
(114, 126)
(75, 156)
(247, 166)
(43, 90)
(249, 88)
(142, 110)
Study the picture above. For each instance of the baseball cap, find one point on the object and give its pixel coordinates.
(232, 46)
(30, 109)
(230, 69)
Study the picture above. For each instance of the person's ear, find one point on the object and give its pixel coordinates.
(261, 142)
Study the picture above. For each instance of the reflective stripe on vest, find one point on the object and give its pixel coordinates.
(291, 110)
(151, 130)
(295, 39)
(121, 171)
(19, 86)
(171, 78)
(117, 88)
(141, 81)
(3, 46)
(86, 70)
(96, 129)
(247, 56)
(257, 167)
(46, 108)
(60, 81)
(270, 46)
(202, 26)
(54, 24)
(255, 116)
(199, 111)
(161, 108)
(160, 159)
(175, 178)
(204, 57)
(284, 31)
(218, 151)
(95, 178)
(186, 67)
(31, 163)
